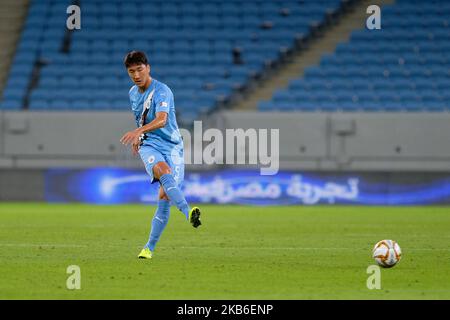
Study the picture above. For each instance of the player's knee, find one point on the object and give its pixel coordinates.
(163, 197)
(160, 169)
(162, 194)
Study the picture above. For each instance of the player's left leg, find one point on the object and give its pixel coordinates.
(163, 173)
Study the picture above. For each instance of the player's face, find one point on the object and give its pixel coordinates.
(140, 74)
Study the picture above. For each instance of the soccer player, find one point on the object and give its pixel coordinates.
(158, 142)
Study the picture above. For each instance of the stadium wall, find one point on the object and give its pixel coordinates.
(356, 158)
(22, 185)
(337, 142)
(108, 185)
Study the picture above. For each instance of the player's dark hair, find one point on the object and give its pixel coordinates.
(135, 58)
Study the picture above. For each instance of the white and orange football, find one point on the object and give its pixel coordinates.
(387, 253)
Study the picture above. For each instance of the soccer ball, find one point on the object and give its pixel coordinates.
(387, 253)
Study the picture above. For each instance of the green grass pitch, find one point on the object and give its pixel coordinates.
(295, 252)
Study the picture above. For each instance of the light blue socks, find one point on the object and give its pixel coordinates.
(159, 222)
(174, 193)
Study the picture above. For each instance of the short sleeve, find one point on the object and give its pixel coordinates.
(163, 99)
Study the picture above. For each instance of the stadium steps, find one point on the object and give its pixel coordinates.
(12, 17)
(349, 21)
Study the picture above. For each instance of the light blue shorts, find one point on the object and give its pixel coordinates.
(150, 156)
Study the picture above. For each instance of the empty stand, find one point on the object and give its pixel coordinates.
(189, 43)
(405, 66)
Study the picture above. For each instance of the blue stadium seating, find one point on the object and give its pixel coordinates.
(189, 44)
(405, 66)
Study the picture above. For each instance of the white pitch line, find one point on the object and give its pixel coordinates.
(265, 248)
(208, 247)
(42, 245)
(303, 248)
(162, 247)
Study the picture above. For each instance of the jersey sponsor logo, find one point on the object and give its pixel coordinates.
(151, 159)
(163, 104)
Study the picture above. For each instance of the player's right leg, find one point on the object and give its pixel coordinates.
(159, 223)
(150, 157)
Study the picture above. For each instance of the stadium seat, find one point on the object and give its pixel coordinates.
(400, 68)
(195, 37)
(403, 67)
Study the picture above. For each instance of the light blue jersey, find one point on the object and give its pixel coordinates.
(164, 144)
(158, 97)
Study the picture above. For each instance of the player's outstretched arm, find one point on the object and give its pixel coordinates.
(133, 137)
(157, 123)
